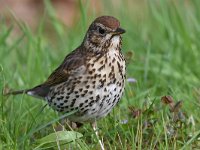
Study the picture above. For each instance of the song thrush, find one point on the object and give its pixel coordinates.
(91, 78)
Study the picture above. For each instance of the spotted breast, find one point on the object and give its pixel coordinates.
(95, 91)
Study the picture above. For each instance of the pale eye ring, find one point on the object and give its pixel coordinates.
(101, 30)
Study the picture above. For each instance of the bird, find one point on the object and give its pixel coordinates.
(91, 79)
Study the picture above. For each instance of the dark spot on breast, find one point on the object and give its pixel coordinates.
(103, 66)
(85, 91)
(82, 95)
(88, 65)
(76, 92)
(109, 83)
(59, 88)
(101, 105)
(81, 104)
(85, 111)
(112, 68)
(91, 102)
(106, 60)
(99, 75)
(118, 100)
(62, 109)
(85, 82)
(102, 82)
(114, 100)
(78, 82)
(119, 58)
(73, 102)
(110, 75)
(97, 98)
(113, 60)
(98, 57)
(82, 108)
(95, 76)
(100, 86)
(60, 98)
(108, 100)
(52, 97)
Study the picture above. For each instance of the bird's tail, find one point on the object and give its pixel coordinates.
(38, 91)
(6, 93)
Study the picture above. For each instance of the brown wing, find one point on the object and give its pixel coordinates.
(73, 64)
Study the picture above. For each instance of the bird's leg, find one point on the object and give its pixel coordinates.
(94, 126)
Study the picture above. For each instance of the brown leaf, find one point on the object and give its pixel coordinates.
(135, 112)
(176, 107)
(167, 100)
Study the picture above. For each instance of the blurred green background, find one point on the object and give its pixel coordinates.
(163, 39)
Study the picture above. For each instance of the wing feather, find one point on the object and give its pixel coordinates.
(72, 65)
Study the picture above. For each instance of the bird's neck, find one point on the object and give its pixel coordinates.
(113, 44)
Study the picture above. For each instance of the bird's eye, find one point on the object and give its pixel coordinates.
(100, 30)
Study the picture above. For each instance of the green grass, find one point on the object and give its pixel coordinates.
(164, 39)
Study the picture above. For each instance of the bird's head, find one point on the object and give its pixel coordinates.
(103, 33)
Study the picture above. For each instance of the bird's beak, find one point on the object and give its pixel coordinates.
(118, 31)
